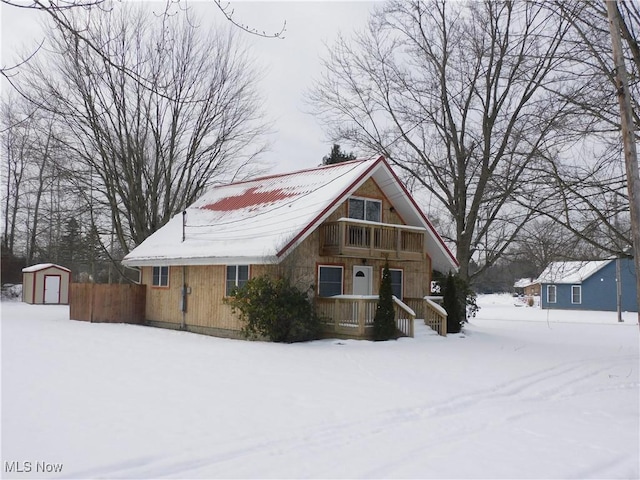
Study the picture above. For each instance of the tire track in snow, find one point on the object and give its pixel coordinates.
(545, 384)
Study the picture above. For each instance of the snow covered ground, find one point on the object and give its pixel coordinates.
(524, 393)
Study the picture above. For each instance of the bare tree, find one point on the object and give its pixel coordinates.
(61, 14)
(464, 99)
(35, 197)
(143, 154)
(14, 146)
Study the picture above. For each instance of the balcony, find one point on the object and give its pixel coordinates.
(358, 238)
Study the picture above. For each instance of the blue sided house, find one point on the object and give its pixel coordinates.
(588, 285)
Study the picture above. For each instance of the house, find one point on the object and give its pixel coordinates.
(328, 229)
(588, 285)
(46, 283)
(527, 287)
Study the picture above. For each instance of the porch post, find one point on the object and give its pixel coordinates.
(361, 316)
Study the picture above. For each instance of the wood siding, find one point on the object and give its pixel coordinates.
(206, 288)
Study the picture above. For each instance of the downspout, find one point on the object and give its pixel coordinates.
(618, 290)
(183, 300)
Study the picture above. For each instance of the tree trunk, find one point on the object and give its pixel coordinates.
(628, 137)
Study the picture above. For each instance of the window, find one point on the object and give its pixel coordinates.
(396, 282)
(364, 209)
(551, 294)
(576, 294)
(237, 276)
(329, 281)
(160, 277)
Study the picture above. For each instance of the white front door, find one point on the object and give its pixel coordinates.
(52, 289)
(362, 280)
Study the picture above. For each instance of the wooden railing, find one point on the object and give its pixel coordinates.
(359, 238)
(405, 317)
(435, 316)
(352, 315)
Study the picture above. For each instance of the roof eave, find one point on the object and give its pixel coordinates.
(187, 261)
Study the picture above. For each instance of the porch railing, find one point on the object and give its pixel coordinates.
(405, 317)
(434, 315)
(350, 237)
(353, 315)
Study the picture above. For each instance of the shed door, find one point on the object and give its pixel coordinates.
(362, 280)
(52, 289)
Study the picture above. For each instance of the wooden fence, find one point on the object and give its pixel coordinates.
(113, 303)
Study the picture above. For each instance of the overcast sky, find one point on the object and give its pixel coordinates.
(290, 64)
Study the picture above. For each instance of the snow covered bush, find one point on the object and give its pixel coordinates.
(11, 291)
(276, 310)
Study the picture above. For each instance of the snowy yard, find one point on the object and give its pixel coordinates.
(524, 393)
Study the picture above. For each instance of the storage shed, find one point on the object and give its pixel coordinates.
(46, 283)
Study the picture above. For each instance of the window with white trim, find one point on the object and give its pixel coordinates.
(576, 294)
(237, 276)
(365, 209)
(330, 280)
(551, 294)
(160, 277)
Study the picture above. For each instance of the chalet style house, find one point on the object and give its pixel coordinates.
(329, 229)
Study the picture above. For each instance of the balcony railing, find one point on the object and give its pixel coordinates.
(359, 238)
(352, 315)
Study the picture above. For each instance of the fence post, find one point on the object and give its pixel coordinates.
(91, 303)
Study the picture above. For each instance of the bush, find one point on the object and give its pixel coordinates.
(276, 310)
(452, 305)
(384, 323)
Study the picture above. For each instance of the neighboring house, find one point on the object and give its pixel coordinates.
(588, 285)
(527, 287)
(46, 283)
(328, 229)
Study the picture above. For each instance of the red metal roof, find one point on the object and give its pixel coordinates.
(251, 197)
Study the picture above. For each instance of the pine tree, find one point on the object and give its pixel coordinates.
(337, 156)
(452, 305)
(384, 323)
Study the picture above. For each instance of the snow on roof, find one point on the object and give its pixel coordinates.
(42, 266)
(260, 220)
(522, 282)
(570, 272)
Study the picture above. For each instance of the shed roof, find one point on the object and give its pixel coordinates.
(43, 266)
(261, 221)
(523, 282)
(570, 272)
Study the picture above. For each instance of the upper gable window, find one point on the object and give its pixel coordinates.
(365, 209)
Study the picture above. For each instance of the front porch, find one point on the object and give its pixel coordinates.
(351, 316)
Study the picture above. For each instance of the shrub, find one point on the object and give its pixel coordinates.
(384, 323)
(451, 302)
(274, 309)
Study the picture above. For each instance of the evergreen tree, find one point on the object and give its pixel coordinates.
(384, 323)
(71, 246)
(337, 156)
